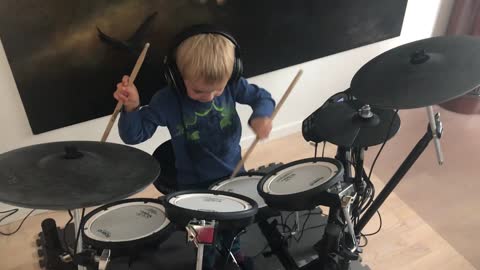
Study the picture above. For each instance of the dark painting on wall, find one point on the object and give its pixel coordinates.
(67, 56)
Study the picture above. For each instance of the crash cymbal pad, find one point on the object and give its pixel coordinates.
(73, 174)
(419, 74)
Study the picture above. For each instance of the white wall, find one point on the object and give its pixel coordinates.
(322, 78)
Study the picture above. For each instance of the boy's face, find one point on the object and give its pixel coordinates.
(201, 91)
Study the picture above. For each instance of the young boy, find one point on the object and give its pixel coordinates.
(200, 113)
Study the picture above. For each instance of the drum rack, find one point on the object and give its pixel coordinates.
(325, 245)
(333, 234)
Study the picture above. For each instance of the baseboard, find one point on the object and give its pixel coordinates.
(276, 133)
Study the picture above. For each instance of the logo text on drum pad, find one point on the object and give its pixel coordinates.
(213, 200)
(316, 180)
(287, 177)
(144, 214)
(104, 232)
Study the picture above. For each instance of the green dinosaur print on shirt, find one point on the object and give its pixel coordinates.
(226, 114)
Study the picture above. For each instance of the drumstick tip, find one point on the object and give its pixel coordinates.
(147, 45)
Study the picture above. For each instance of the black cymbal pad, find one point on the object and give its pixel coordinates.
(421, 73)
(341, 124)
(73, 174)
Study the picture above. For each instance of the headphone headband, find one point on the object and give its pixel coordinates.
(201, 29)
(171, 73)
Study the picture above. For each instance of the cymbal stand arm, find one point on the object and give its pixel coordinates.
(344, 155)
(103, 259)
(77, 219)
(346, 203)
(360, 184)
(297, 222)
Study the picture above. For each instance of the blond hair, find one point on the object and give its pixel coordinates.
(207, 57)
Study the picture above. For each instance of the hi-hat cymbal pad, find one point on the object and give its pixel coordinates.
(351, 124)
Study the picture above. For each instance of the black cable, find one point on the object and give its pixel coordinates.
(285, 226)
(366, 240)
(315, 153)
(362, 198)
(231, 246)
(323, 150)
(281, 222)
(294, 227)
(303, 227)
(315, 227)
(369, 192)
(369, 196)
(383, 144)
(370, 201)
(19, 226)
(288, 216)
(310, 212)
(379, 227)
(67, 248)
(364, 236)
(9, 211)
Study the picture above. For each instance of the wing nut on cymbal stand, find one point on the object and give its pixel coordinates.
(436, 127)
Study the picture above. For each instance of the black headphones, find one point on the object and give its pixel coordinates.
(172, 74)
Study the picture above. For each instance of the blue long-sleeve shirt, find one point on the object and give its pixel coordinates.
(206, 142)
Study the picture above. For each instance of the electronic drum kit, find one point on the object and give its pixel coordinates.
(78, 174)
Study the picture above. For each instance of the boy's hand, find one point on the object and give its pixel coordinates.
(261, 126)
(128, 95)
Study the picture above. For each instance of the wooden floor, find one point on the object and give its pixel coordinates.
(446, 196)
(405, 242)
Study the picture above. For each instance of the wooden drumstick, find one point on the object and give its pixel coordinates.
(255, 142)
(133, 75)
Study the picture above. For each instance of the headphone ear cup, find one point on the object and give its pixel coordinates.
(167, 73)
(173, 77)
(237, 70)
(178, 80)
